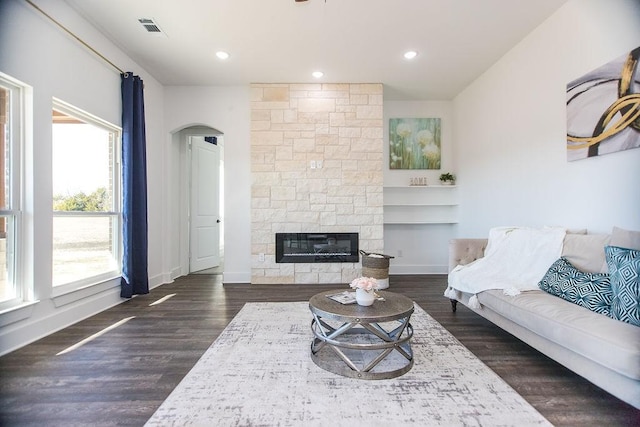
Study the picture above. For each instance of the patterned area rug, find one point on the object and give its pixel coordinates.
(259, 373)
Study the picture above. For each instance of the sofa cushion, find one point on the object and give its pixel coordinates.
(624, 267)
(602, 339)
(625, 238)
(586, 251)
(588, 290)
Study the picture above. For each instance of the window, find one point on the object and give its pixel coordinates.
(86, 199)
(12, 291)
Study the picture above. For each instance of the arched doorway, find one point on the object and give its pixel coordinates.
(198, 193)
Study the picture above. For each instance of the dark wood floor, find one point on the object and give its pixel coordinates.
(121, 377)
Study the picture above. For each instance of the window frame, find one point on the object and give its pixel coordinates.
(23, 291)
(116, 202)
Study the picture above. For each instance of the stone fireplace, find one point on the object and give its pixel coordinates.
(316, 165)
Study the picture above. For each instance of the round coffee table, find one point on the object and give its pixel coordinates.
(362, 342)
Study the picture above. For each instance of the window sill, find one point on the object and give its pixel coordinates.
(61, 297)
(17, 313)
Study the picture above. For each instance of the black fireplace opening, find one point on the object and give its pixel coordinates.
(317, 247)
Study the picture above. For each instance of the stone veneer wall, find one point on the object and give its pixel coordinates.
(293, 125)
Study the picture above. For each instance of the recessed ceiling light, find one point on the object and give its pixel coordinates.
(222, 55)
(410, 54)
(317, 74)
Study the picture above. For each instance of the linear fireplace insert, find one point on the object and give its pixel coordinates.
(317, 247)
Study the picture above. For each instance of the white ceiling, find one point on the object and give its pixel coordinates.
(352, 41)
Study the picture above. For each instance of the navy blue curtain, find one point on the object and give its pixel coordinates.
(135, 276)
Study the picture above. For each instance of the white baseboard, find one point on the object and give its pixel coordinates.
(43, 321)
(175, 273)
(236, 277)
(160, 279)
(25, 332)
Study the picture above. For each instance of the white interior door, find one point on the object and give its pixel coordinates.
(204, 241)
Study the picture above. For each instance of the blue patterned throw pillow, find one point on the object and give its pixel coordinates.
(624, 269)
(588, 290)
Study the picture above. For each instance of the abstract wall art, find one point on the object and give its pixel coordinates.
(603, 109)
(414, 143)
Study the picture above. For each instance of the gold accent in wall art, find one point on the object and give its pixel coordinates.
(603, 109)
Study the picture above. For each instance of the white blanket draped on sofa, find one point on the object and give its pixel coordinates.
(515, 260)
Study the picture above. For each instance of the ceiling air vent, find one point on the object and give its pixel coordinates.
(151, 26)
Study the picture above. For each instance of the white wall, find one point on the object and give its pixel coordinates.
(227, 110)
(510, 130)
(42, 56)
(418, 249)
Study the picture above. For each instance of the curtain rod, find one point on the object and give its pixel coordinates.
(75, 37)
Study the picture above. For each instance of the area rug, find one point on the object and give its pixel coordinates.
(259, 373)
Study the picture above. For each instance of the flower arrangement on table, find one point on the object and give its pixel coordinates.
(365, 290)
(365, 283)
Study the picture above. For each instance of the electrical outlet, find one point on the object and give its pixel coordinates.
(319, 164)
(261, 257)
(399, 253)
(313, 164)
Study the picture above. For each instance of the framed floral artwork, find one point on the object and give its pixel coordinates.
(414, 143)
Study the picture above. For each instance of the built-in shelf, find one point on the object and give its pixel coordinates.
(431, 204)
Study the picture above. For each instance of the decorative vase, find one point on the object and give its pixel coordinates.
(364, 298)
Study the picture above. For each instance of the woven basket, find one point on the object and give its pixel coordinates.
(375, 266)
(376, 273)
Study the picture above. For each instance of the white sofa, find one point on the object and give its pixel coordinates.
(603, 350)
